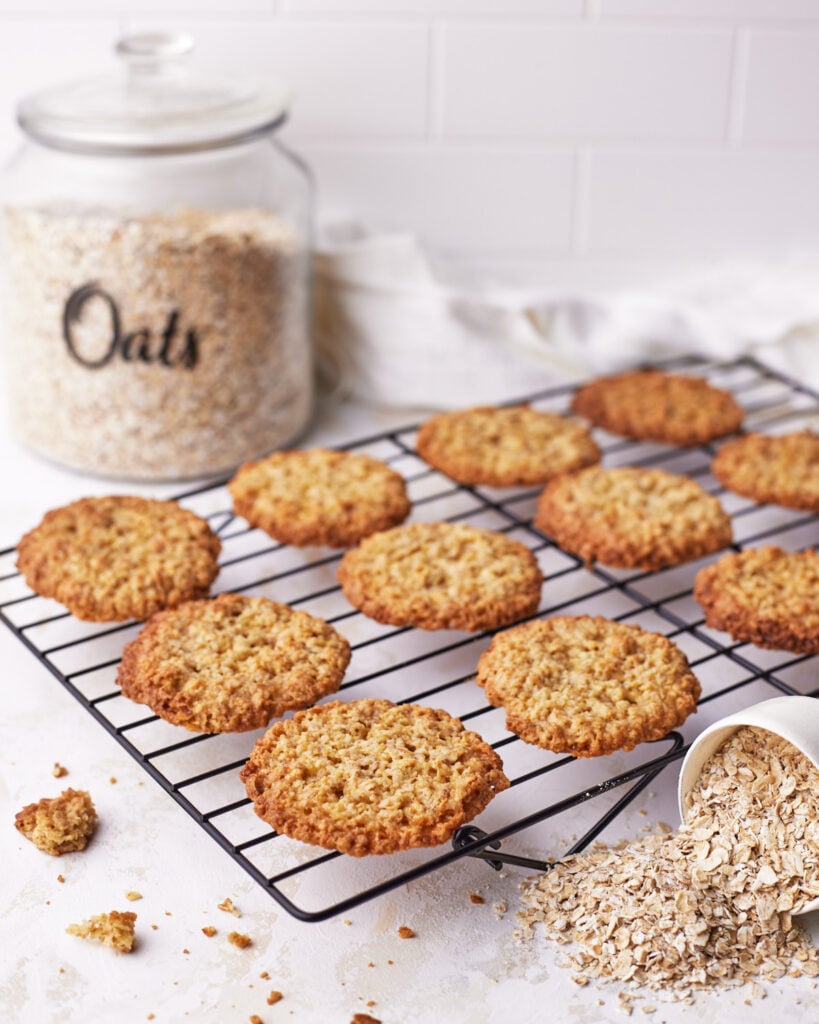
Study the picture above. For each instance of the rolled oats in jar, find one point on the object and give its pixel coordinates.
(156, 247)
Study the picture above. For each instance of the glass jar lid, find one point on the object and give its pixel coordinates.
(158, 103)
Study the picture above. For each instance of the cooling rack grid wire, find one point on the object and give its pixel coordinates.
(551, 795)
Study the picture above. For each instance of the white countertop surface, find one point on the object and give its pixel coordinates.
(464, 964)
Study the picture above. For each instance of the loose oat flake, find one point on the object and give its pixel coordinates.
(708, 906)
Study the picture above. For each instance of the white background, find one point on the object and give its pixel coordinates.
(559, 142)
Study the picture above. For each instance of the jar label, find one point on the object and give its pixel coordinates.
(166, 348)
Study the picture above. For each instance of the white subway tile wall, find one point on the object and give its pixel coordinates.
(572, 142)
(597, 85)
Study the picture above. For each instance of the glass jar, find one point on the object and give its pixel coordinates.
(156, 249)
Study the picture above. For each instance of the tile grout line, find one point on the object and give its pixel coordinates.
(738, 88)
(581, 210)
(434, 80)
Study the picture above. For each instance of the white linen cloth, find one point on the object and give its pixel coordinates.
(392, 333)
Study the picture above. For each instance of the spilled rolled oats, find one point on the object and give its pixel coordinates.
(709, 906)
(156, 346)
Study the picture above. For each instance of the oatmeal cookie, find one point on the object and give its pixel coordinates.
(232, 663)
(764, 596)
(632, 518)
(505, 447)
(370, 776)
(651, 405)
(318, 496)
(60, 824)
(441, 576)
(781, 470)
(587, 686)
(119, 557)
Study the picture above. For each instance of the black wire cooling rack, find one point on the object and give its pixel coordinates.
(201, 773)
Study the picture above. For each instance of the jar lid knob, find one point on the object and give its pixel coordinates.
(154, 52)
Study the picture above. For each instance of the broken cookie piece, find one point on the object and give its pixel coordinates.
(60, 824)
(115, 930)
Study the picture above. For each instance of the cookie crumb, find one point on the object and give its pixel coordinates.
(228, 907)
(265, 974)
(113, 780)
(60, 824)
(150, 1016)
(239, 940)
(255, 1019)
(60, 878)
(405, 933)
(155, 926)
(274, 997)
(364, 1018)
(186, 951)
(115, 930)
(133, 896)
(475, 897)
(58, 771)
(209, 930)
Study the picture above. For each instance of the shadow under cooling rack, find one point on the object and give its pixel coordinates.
(201, 772)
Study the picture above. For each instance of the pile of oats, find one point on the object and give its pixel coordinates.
(158, 345)
(710, 905)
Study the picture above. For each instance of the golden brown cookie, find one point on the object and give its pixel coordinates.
(370, 776)
(60, 824)
(441, 576)
(780, 470)
(505, 447)
(651, 405)
(632, 518)
(587, 686)
(318, 496)
(232, 663)
(764, 596)
(119, 557)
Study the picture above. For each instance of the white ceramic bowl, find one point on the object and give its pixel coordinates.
(795, 719)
